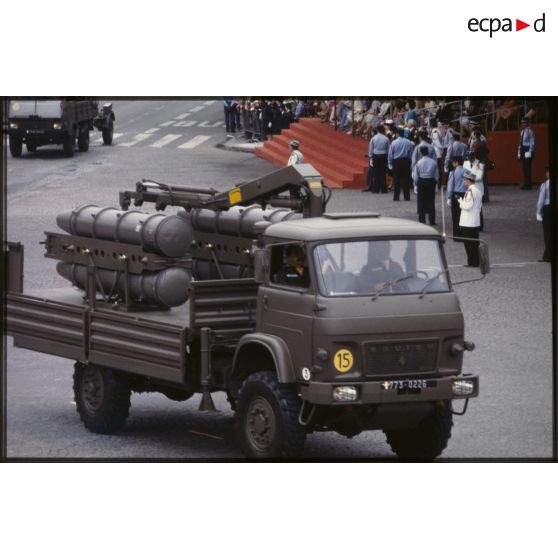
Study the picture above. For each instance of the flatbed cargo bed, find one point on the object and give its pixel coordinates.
(58, 322)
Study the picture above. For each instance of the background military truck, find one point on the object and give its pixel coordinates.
(197, 302)
(44, 122)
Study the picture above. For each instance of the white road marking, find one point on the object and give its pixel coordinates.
(182, 116)
(151, 130)
(97, 140)
(197, 109)
(207, 103)
(206, 124)
(206, 435)
(137, 139)
(194, 142)
(185, 124)
(501, 265)
(165, 140)
(168, 123)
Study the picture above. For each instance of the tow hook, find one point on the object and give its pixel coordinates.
(458, 413)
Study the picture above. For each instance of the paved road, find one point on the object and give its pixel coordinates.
(508, 314)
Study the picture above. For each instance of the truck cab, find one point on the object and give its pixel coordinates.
(367, 325)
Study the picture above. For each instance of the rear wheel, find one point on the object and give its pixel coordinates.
(69, 146)
(267, 418)
(108, 132)
(102, 398)
(16, 146)
(427, 440)
(83, 139)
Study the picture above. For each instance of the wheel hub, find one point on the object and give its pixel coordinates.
(92, 391)
(261, 425)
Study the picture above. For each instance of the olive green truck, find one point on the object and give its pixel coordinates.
(38, 122)
(308, 320)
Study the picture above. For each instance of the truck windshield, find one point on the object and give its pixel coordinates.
(380, 267)
(45, 109)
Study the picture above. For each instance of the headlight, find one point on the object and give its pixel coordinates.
(57, 125)
(345, 393)
(14, 125)
(463, 387)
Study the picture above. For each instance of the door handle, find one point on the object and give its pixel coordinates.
(265, 300)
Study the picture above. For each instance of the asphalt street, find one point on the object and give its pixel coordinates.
(507, 315)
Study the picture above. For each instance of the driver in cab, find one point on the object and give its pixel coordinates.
(294, 273)
(381, 271)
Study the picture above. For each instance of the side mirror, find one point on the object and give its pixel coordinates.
(484, 260)
(260, 265)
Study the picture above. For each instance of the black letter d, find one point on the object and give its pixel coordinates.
(536, 24)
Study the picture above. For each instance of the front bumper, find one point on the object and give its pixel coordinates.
(372, 393)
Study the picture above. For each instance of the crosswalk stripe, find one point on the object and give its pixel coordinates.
(185, 124)
(168, 123)
(182, 116)
(151, 130)
(137, 139)
(206, 124)
(194, 142)
(207, 103)
(97, 140)
(197, 109)
(165, 140)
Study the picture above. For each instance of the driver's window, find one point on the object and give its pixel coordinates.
(289, 266)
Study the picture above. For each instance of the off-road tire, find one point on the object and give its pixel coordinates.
(427, 440)
(69, 146)
(262, 398)
(83, 139)
(102, 398)
(108, 133)
(16, 146)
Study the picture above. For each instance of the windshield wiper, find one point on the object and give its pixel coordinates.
(391, 284)
(430, 281)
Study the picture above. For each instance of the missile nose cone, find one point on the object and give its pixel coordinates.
(63, 221)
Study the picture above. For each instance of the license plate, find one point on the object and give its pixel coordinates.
(407, 386)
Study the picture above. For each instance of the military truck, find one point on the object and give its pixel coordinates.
(45, 122)
(308, 320)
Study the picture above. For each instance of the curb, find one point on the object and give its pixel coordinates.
(244, 147)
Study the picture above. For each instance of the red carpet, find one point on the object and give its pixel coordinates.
(339, 158)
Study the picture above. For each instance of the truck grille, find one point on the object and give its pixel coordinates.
(400, 358)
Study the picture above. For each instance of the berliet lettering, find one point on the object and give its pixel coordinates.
(494, 24)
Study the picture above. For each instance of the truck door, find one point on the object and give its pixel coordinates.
(286, 304)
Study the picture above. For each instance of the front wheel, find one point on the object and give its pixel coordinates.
(69, 146)
(427, 440)
(83, 139)
(108, 133)
(267, 418)
(102, 398)
(16, 146)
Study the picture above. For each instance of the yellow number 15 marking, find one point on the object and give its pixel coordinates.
(343, 360)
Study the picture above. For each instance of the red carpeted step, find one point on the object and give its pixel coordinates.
(337, 156)
(355, 159)
(334, 176)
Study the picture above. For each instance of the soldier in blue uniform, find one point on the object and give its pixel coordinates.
(426, 179)
(526, 152)
(378, 153)
(456, 190)
(399, 161)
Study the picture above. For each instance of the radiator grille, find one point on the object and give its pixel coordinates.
(400, 358)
